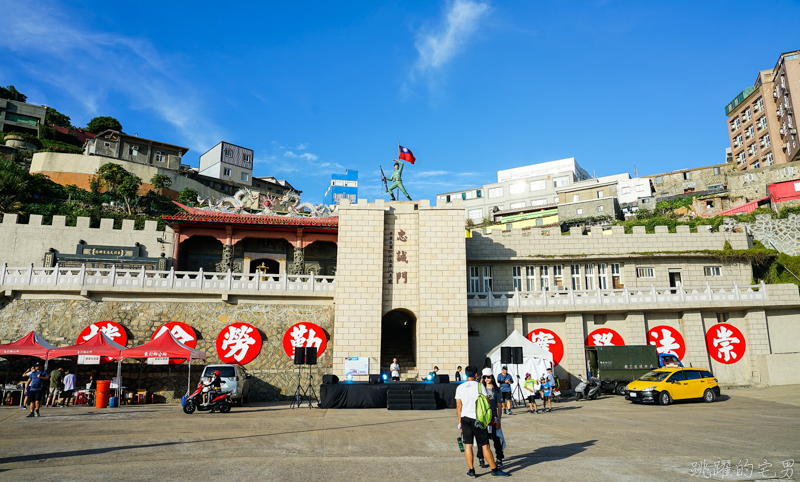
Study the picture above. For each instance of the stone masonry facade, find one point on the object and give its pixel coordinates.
(274, 374)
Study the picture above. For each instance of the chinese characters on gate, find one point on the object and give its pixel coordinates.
(399, 256)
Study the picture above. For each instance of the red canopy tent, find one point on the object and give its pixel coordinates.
(165, 346)
(100, 345)
(29, 345)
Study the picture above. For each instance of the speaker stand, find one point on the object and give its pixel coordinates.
(310, 391)
(518, 391)
(299, 392)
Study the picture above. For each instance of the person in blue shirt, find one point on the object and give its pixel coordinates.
(36, 388)
(547, 391)
(505, 380)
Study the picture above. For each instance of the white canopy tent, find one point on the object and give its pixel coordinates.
(535, 359)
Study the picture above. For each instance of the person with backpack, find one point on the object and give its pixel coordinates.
(493, 394)
(474, 414)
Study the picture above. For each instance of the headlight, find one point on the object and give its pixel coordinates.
(649, 389)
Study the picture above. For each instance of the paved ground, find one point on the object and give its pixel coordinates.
(605, 439)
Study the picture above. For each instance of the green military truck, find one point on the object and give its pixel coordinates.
(616, 366)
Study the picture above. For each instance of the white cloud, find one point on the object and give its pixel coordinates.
(289, 154)
(302, 147)
(438, 47)
(91, 66)
(434, 173)
(310, 157)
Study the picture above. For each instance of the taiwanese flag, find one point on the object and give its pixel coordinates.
(405, 154)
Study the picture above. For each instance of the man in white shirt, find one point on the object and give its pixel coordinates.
(395, 368)
(69, 388)
(466, 396)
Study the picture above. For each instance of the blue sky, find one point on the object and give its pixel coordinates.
(471, 87)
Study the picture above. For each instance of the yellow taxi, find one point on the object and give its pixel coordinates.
(664, 385)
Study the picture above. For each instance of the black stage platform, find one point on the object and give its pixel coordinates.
(366, 395)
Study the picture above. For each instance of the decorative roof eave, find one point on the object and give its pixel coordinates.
(194, 215)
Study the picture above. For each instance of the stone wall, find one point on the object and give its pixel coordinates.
(780, 234)
(24, 244)
(274, 374)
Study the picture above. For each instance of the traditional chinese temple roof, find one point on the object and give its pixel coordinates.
(212, 217)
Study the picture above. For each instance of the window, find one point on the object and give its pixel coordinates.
(759, 104)
(517, 188)
(226, 172)
(475, 214)
(133, 151)
(600, 194)
(245, 176)
(755, 165)
(555, 200)
(575, 269)
(588, 272)
(769, 159)
(627, 190)
(160, 157)
(616, 277)
(599, 209)
(228, 152)
(539, 202)
(749, 132)
(687, 176)
(576, 198)
(538, 185)
(478, 193)
(659, 180)
(544, 278)
(246, 157)
(558, 278)
(463, 195)
(561, 181)
(788, 171)
(530, 278)
(645, 201)
(602, 276)
(640, 188)
(735, 124)
(645, 272)
(516, 275)
(106, 144)
(487, 279)
(765, 141)
(539, 221)
(712, 271)
(579, 211)
(474, 279)
(495, 192)
(520, 204)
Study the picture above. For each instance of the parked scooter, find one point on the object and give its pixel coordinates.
(221, 402)
(587, 389)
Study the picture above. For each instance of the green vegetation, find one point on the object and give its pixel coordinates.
(161, 181)
(188, 196)
(100, 124)
(11, 93)
(56, 118)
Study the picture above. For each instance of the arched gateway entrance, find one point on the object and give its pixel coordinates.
(399, 339)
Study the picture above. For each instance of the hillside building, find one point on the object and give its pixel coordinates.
(21, 117)
(228, 162)
(343, 186)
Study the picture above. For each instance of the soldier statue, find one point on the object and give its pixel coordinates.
(397, 180)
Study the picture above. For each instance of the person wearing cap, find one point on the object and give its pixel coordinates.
(493, 394)
(532, 388)
(36, 388)
(506, 380)
(214, 387)
(546, 392)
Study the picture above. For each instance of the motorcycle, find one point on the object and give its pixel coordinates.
(194, 402)
(587, 389)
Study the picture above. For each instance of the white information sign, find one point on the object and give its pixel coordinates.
(88, 359)
(158, 361)
(356, 366)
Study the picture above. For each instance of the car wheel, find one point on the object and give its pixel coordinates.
(621, 389)
(189, 408)
(664, 398)
(224, 408)
(709, 395)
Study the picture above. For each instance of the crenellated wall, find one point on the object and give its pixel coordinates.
(24, 244)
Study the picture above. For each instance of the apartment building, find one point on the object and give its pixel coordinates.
(228, 162)
(21, 117)
(522, 188)
(590, 198)
(762, 118)
(342, 186)
(118, 145)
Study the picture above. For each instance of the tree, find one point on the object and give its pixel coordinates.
(56, 118)
(118, 182)
(161, 181)
(12, 94)
(13, 186)
(188, 196)
(100, 124)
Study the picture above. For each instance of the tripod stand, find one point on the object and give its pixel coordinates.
(304, 393)
(518, 392)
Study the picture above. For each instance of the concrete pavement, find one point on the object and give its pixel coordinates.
(605, 439)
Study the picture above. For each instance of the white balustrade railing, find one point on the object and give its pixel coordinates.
(135, 279)
(594, 298)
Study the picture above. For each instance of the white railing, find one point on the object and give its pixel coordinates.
(141, 279)
(679, 294)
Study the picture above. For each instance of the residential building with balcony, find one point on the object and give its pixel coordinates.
(518, 189)
(762, 119)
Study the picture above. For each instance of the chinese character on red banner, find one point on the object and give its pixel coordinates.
(549, 341)
(667, 339)
(182, 332)
(725, 343)
(604, 337)
(114, 331)
(238, 343)
(304, 335)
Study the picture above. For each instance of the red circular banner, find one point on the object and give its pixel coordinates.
(238, 343)
(725, 343)
(667, 339)
(549, 341)
(113, 331)
(182, 332)
(304, 335)
(604, 337)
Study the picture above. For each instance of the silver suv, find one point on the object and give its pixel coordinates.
(235, 379)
